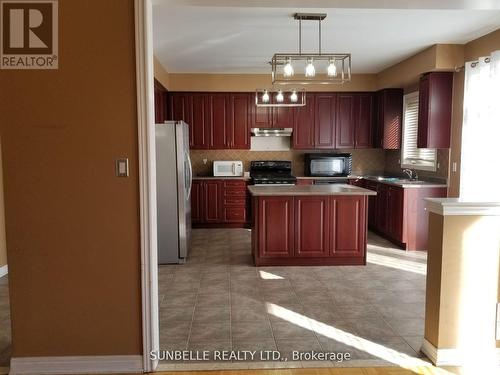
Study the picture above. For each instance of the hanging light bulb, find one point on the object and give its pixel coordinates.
(331, 71)
(265, 97)
(288, 68)
(279, 97)
(310, 70)
(294, 97)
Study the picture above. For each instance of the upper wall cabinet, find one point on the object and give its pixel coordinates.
(389, 119)
(303, 136)
(434, 110)
(216, 120)
(269, 117)
(160, 97)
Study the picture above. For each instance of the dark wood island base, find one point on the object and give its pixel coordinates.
(309, 225)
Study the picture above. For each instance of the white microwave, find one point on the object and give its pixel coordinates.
(228, 168)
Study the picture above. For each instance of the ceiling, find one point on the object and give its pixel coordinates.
(240, 36)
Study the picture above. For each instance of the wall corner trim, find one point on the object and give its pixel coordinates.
(76, 365)
(4, 270)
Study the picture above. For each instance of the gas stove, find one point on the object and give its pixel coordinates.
(271, 172)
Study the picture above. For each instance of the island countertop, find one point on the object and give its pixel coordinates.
(313, 190)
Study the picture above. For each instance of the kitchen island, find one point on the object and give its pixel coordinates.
(310, 225)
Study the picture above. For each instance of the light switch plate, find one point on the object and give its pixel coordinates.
(122, 167)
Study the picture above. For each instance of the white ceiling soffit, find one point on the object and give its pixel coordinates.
(240, 36)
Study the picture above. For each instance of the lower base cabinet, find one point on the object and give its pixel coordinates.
(399, 214)
(219, 203)
(309, 230)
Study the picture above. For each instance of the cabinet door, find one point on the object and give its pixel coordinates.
(391, 118)
(238, 124)
(312, 226)
(160, 97)
(261, 117)
(181, 109)
(218, 121)
(200, 121)
(212, 201)
(197, 201)
(434, 110)
(276, 223)
(303, 124)
(396, 213)
(364, 120)
(372, 204)
(345, 121)
(382, 208)
(348, 223)
(324, 126)
(282, 117)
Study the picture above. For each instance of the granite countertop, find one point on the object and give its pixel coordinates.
(407, 183)
(220, 178)
(350, 177)
(336, 189)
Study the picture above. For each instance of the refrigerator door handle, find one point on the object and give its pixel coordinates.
(190, 174)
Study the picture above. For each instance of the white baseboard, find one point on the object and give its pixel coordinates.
(4, 270)
(76, 365)
(446, 357)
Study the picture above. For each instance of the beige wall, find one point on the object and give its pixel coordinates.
(72, 226)
(3, 244)
(250, 82)
(160, 73)
(454, 310)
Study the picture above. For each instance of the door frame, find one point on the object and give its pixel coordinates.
(147, 180)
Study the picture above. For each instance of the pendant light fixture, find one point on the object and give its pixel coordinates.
(319, 68)
(280, 98)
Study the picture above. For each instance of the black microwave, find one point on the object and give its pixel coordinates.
(328, 165)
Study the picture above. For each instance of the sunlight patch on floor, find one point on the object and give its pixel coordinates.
(344, 337)
(400, 264)
(269, 276)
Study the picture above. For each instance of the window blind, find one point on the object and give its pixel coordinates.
(413, 157)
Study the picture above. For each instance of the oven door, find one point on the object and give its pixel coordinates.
(329, 167)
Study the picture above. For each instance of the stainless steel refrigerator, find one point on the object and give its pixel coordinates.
(174, 177)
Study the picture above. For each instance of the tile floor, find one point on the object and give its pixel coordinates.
(5, 331)
(219, 301)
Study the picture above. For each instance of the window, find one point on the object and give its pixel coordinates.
(411, 156)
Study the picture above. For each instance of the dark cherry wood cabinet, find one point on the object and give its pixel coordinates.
(434, 110)
(364, 120)
(354, 120)
(270, 117)
(216, 120)
(161, 102)
(303, 136)
(220, 203)
(399, 213)
(304, 181)
(238, 132)
(200, 121)
(312, 220)
(325, 120)
(309, 230)
(372, 203)
(345, 121)
(261, 117)
(197, 202)
(389, 119)
(395, 213)
(348, 221)
(276, 227)
(206, 201)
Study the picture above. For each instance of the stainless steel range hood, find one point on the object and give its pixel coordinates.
(271, 132)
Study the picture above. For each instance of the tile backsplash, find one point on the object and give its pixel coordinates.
(393, 157)
(363, 160)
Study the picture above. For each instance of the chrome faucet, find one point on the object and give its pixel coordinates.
(412, 174)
